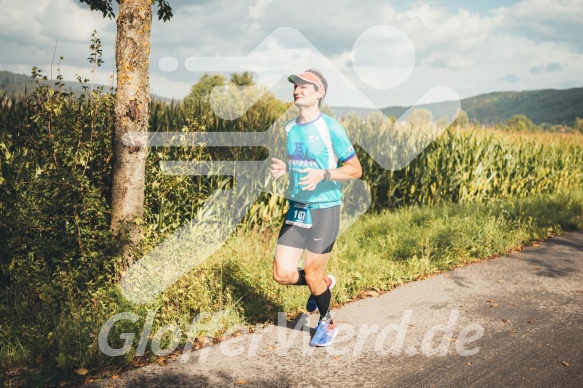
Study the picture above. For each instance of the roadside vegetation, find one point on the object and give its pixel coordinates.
(474, 193)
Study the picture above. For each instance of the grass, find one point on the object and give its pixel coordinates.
(379, 252)
(384, 250)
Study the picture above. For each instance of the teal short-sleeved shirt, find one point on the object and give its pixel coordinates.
(320, 144)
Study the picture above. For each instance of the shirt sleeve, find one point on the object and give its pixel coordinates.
(340, 143)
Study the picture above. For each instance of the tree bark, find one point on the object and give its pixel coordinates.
(132, 111)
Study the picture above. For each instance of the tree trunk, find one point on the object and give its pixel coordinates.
(132, 111)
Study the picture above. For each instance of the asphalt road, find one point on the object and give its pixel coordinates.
(513, 321)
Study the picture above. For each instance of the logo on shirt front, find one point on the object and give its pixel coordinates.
(313, 139)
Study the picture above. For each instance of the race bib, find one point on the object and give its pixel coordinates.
(299, 215)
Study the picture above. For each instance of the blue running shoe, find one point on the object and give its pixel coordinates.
(311, 305)
(326, 331)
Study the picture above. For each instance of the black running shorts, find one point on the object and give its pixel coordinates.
(319, 238)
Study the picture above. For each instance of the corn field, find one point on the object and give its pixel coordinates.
(475, 164)
(461, 165)
(58, 264)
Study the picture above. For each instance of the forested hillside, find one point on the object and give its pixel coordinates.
(19, 84)
(541, 106)
(549, 106)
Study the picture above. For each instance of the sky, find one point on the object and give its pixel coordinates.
(374, 53)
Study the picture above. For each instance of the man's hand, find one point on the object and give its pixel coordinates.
(278, 168)
(311, 180)
(349, 170)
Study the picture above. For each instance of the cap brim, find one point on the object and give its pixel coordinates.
(295, 79)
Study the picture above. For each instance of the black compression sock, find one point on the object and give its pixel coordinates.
(323, 303)
(301, 279)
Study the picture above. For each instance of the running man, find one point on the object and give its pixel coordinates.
(319, 155)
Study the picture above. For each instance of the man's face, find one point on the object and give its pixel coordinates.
(306, 94)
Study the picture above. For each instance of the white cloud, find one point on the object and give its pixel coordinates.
(548, 68)
(69, 21)
(162, 86)
(558, 21)
(40, 34)
(445, 39)
(257, 10)
(471, 51)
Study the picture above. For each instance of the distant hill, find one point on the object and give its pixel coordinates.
(18, 84)
(541, 106)
(13, 83)
(340, 111)
(550, 106)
